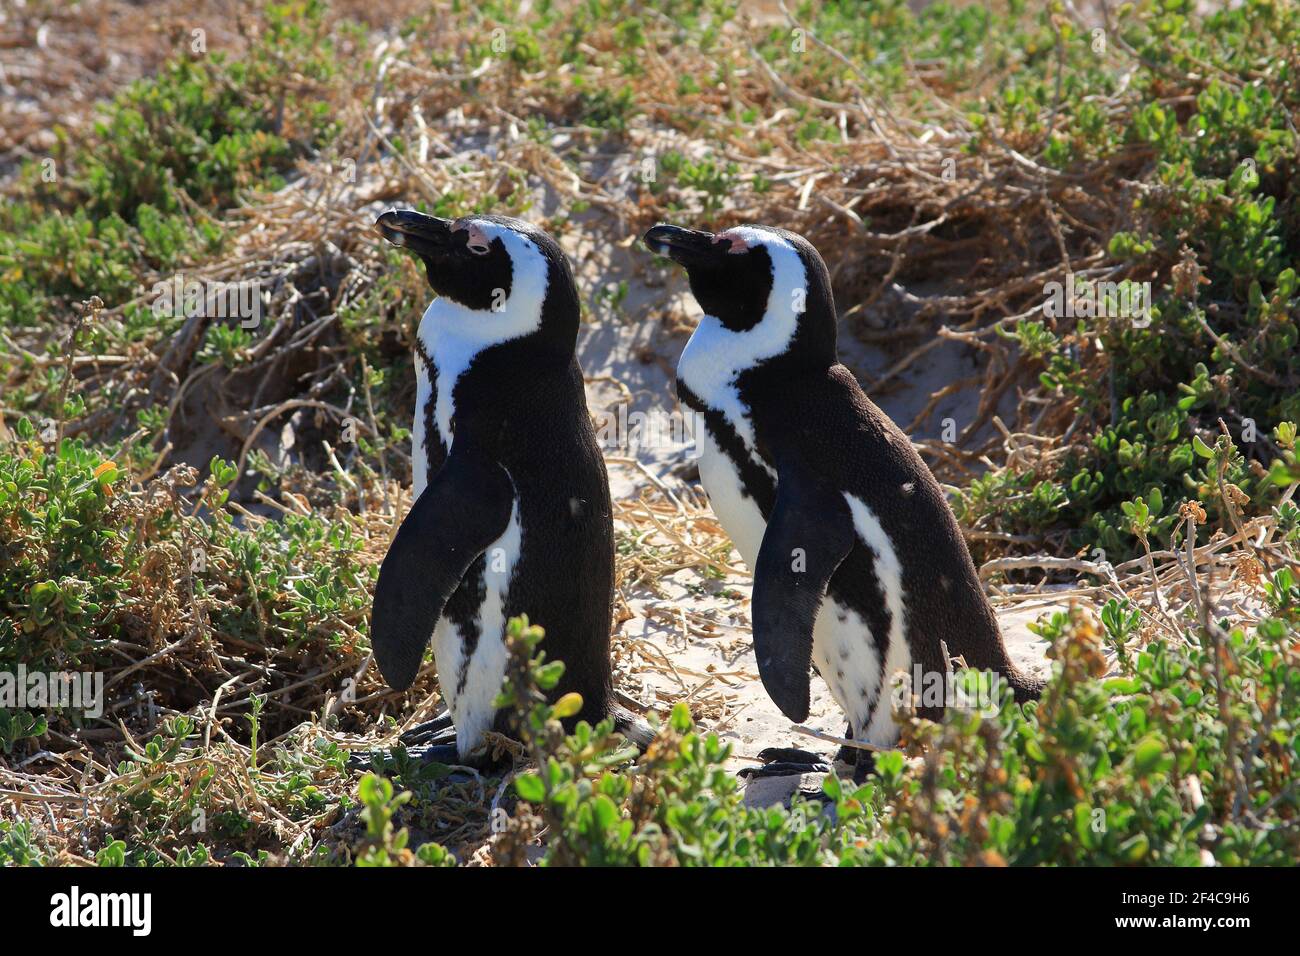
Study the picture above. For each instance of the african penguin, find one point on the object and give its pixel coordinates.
(860, 568)
(512, 512)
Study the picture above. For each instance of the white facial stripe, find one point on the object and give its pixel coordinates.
(715, 355)
(453, 334)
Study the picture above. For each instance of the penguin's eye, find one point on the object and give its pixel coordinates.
(476, 240)
(732, 243)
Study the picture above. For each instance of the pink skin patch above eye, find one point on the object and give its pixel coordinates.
(736, 244)
(478, 242)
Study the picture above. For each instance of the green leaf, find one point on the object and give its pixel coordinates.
(567, 706)
(831, 786)
(1135, 848)
(114, 854)
(530, 787)
(548, 675)
(1147, 755)
(680, 721)
(605, 811)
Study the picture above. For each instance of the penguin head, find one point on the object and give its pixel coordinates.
(489, 264)
(752, 278)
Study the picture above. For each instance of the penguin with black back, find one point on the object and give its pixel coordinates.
(511, 510)
(860, 568)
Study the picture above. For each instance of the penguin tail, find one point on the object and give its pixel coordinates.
(637, 731)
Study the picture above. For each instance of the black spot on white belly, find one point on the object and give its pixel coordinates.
(463, 611)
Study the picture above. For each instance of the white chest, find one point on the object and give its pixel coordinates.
(709, 368)
(738, 513)
(453, 336)
(419, 435)
(448, 336)
(452, 353)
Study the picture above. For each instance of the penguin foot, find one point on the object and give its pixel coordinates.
(438, 728)
(786, 762)
(861, 762)
(781, 768)
(431, 742)
(365, 759)
(445, 753)
(439, 751)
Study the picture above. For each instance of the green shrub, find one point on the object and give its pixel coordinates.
(1176, 760)
(62, 556)
(18, 846)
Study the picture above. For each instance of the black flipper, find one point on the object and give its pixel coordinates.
(465, 507)
(809, 533)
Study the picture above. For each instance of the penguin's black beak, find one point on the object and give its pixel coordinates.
(686, 247)
(423, 235)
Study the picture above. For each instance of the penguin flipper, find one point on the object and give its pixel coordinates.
(465, 507)
(808, 535)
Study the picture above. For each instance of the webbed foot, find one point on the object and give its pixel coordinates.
(786, 762)
(433, 741)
